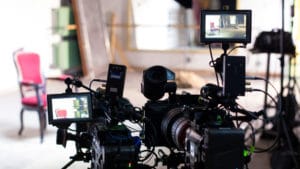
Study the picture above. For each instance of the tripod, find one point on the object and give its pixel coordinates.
(285, 155)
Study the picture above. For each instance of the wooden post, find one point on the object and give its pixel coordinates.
(93, 37)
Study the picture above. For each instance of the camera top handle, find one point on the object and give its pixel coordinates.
(77, 83)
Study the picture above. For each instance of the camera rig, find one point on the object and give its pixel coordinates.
(187, 131)
(194, 129)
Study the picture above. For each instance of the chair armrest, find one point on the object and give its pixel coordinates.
(38, 89)
(28, 83)
(60, 77)
(31, 83)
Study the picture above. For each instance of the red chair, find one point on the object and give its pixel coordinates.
(213, 28)
(32, 86)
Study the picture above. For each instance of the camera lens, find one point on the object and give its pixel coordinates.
(174, 127)
(179, 128)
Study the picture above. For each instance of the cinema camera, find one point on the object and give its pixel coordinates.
(187, 131)
(100, 136)
(200, 130)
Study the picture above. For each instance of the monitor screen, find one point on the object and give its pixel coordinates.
(223, 26)
(69, 108)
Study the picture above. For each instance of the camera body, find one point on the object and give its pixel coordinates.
(114, 147)
(193, 124)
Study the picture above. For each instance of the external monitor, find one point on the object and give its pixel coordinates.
(69, 108)
(225, 26)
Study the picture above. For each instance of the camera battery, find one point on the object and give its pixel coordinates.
(234, 70)
(223, 148)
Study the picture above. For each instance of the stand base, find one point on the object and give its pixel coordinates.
(80, 156)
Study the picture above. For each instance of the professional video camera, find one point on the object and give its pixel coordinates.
(200, 130)
(100, 135)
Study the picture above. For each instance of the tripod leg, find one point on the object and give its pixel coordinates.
(68, 164)
(266, 88)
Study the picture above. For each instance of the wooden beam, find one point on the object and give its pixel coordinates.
(92, 36)
(79, 39)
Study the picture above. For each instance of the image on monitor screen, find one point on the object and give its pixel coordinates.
(74, 107)
(226, 26)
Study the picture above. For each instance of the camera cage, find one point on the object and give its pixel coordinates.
(211, 33)
(62, 108)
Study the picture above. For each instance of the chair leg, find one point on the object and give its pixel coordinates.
(45, 119)
(42, 123)
(21, 120)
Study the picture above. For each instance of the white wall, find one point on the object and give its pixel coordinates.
(266, 16)
(184, 60)
(24, 23)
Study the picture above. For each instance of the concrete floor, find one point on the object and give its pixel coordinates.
(26, 151)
